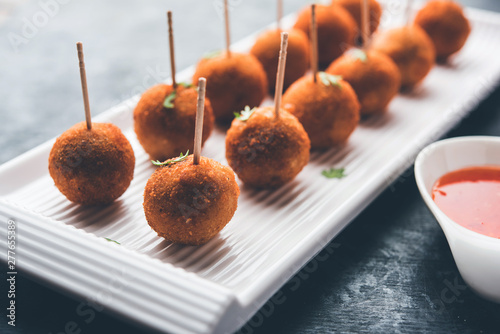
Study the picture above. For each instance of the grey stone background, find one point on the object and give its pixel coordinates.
(390, 271)
(124, 40)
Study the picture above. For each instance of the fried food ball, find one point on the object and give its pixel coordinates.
(329, 112)
(446, 25)
(266, 152)
(354, 8)
(233, 82)
(165, 132)
(411, 49)
(92, 167)
(189, 204)
(336, 30)
(374, 77)
(267, 47)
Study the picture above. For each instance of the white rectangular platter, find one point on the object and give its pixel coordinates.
(217, 287)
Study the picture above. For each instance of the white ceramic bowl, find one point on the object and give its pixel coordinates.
(477, 256)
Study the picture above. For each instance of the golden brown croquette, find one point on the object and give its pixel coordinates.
(336, 30)
(92, 167)
(373, 76)
(267, 47)
(166, 132)
(189, 204)
(411, 49)
(266, 152)
(329, 112)
(354, 8)
(233, 82)
(446, 25)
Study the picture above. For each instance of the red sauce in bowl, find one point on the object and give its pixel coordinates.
(471, 198)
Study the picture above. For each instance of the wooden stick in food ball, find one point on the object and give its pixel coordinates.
(83, 78)
(267, 46)
(91, 163)
(165, 116)
(280, 76)
(409, 4)
(410, 47)
(279, 13)
(325, 105)
(198, 132)
(226, 27)
(267, 146)
(171, 46)
(236, 79)
(173, 193)
(365, 24)
(314, 43)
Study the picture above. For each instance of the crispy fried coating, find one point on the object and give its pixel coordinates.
(328, 113)
(166, 132)
(446, 25)
(336, 30)
(354, 8)
(266, 152)
(92, 167)
(411, 49)
(376, 79)
(189, 204)
(267, 47)
(233, 82)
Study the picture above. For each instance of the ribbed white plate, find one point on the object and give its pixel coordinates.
(218, 286)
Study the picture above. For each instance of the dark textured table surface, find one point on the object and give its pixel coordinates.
(389, 271)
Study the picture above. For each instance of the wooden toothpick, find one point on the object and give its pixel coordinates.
(83, 78)
(408, 12)
(279, 12)
(226, 20)
(171, 45)
(365, 25)
(280, 76)
(314, 43)
(198, 131)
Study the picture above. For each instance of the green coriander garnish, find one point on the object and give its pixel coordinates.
(245, 114)
(330, 79)
(180, 158)
(357, 54)
(111, 240)
(334, 173)
(186, 84)
(169, 100)
(212, 54)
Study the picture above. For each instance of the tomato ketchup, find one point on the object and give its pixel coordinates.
(471, 198)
